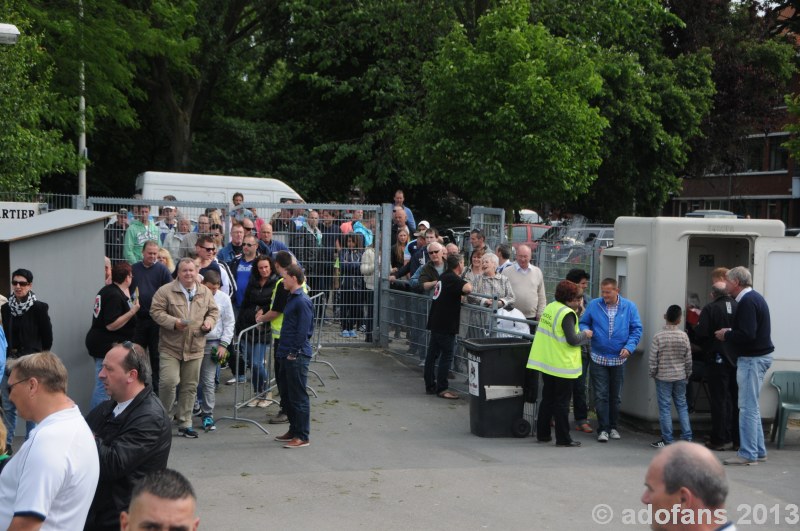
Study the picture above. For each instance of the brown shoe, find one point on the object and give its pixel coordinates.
(296, 443)
(285, 437)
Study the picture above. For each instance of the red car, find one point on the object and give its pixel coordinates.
(527, 233)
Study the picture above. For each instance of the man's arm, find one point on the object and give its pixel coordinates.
(128, 245)
(45, 327)
(634, 329)
(541, 295)
(25, 523)
(653, 362)
(158, 310)
(746, 324)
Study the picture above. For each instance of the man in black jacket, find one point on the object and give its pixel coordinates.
(724, 392)
(132, 432)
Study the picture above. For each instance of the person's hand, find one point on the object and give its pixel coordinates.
(222, 354)
(181, 324)
(136, 306)
(259, 315)
(720, 334)
(624, 353)
(588, 333)
(206, 326)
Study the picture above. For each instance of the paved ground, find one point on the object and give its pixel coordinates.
(386, 456)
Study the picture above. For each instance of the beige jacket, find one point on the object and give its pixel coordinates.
(170, 306)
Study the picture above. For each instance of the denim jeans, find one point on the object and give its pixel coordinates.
(10, 410)
(441, 346)
(607, 383)
(297, 406)
(99, 394)
(206, 389)
(579, 406)
(256, 352)
(667, 392)
(750, 372)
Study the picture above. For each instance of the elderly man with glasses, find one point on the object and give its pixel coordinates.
(132, 432)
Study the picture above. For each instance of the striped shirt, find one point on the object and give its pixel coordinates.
(670, 355)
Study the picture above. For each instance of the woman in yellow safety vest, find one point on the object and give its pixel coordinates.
(556, 353)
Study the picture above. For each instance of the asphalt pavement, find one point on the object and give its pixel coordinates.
(384, 455)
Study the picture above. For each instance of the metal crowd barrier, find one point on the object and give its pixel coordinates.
(252, 389)
(404, 317)
(320, 302)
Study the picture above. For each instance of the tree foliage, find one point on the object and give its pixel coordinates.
(506, 120)
(30, 146)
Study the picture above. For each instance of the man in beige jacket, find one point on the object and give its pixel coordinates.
(185, 312)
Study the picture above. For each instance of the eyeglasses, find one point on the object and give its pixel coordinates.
(210, 249)
(10, 386)
(20, 283)
(249, 244)
(434, 252)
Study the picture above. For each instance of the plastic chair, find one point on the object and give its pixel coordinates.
(788, 385)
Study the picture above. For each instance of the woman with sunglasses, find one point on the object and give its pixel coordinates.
(28, 330)
(113, 321)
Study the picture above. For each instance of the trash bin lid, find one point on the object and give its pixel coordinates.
(486, 344)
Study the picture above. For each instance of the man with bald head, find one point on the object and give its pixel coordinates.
(685, 488)
(527, 282)
(267, 244)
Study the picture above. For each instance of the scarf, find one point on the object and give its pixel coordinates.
(19, 308)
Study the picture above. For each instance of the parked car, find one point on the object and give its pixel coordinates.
(566, 244)
(527, 234)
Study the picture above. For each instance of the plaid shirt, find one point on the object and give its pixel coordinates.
(670, 355)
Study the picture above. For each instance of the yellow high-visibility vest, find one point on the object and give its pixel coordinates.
(550, 352)
(277, 324)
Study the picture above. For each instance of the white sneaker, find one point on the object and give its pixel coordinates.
(603, 437)
(614, 434)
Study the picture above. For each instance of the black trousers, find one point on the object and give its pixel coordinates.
(146, 335)
(556, 393)
(724, 403)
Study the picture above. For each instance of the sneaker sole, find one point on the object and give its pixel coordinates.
(297, 445)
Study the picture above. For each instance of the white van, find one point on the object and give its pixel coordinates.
(212, 188)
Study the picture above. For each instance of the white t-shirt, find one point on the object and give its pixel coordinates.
(54, 475)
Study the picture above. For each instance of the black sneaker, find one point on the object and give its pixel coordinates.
(659, 444)
(189, 433)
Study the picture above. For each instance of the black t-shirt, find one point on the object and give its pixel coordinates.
(109, 304)
(281, 297)
(446, 306)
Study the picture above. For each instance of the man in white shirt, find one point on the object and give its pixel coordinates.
(527, 282)
(51, 480)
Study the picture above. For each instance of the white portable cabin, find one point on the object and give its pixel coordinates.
(662, 261)
(212, 188)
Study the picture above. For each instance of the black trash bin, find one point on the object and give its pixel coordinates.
(496, 365)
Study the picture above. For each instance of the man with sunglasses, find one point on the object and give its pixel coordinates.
(50, 481)
(132, 432)
(26, 323)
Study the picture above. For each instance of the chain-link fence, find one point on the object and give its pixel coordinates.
(557, 259)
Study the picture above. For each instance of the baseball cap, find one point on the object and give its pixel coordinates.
(420, 230)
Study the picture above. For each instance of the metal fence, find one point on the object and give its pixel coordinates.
(557, 259)
(404, 317)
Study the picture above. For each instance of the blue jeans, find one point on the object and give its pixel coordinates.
(256, 352)
(579, 406)
(296, 404)
(206, 388)
(667, 392)
(99, 394)
(441, 346)
(10, 410)
(607, 383)
(750, 372)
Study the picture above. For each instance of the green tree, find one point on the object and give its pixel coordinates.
(30, 146)
(506, 119)
(653, 102)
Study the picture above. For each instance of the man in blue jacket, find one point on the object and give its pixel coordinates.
(617, 330)
(294, 353)
(749, 339)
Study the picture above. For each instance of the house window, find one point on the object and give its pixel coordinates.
(778, 155)
(754, 154)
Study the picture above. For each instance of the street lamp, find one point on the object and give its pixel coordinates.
(8, 34)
